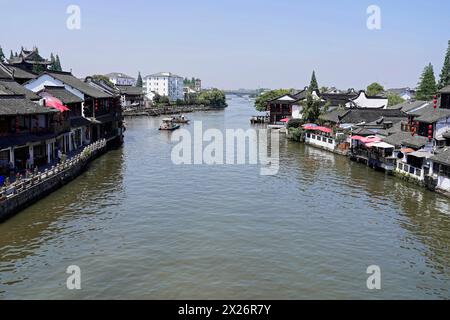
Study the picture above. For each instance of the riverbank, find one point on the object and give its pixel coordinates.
(330, 145)
(167, 110)
(35, 186)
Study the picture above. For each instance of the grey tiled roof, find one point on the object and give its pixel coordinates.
(363, 115)
(443, 157)
(69, 79)
(17, 89)
(130, 90)
(445, 90)
(18, 105)
(408, 105)
(406, 139)
(63, 95)
(21, 74)
(431, 115)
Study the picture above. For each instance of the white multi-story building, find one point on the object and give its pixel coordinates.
(121, 79)
(165, 84)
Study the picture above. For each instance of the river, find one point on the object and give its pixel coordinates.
(141, 227)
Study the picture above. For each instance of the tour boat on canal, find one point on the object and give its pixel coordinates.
(168, 125)
(181, 119)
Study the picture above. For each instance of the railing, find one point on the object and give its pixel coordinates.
(31, 179)
(410, 170)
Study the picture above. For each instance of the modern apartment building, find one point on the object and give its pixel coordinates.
(165, 84)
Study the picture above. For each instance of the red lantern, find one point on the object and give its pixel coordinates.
(435, 102)
(430, 127)
(430, 132)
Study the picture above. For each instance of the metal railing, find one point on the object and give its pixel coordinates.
(30, 179)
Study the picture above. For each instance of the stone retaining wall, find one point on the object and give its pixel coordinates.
(26, 191)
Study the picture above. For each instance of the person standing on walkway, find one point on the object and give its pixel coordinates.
(59, 155)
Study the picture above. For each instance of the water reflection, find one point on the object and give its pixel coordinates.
(142, 227)
(58, 214)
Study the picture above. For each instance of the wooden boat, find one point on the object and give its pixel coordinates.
(168, 125)
(181, 119)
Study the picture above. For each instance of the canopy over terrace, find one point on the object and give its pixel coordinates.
(380, 145)
(366, 140)
(317, 128)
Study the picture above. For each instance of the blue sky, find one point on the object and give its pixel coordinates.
(235, 44)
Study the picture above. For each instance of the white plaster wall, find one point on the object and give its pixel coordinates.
(326, 145)
(444, 183)
(297, 112)
(363, 102)
(39, 84)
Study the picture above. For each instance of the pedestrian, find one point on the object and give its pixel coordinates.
(59, 155)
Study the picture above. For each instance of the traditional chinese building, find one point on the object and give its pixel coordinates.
(28, 60)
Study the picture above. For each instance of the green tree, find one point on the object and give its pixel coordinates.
(263, 99)
(58, 64)
(164, 100)
(53, 62)
(139, 82)
(157, 98)
(101, 78)
(312, 108)
(394, 99)
(445, 73)
(313, 86)
(213, 98)
(11, 56)
(427, 85)
(2, 55)
(37, 67)
(374, 89)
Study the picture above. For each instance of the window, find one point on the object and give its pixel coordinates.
(330, 141)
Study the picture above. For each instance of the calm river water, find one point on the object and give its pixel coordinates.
(140, 227)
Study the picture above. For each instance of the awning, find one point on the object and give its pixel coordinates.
(407, 150)
(381, 145)
(55, 103)
(318, 128)
(421, 154)
(286, 120)
(357, 138)
(370, 139)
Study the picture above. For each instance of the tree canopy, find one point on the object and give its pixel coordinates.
(214, 98)
(139, 82)
(445, 73)
(427, 85)
(312, 108)
(102, 78)
(395, 99)
(313, 86)
(374, 89)
(263, 99)
(58, 66)
(2, 55)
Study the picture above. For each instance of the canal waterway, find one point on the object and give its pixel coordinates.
(141, 227)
